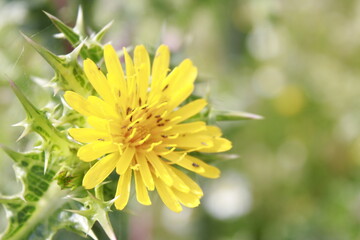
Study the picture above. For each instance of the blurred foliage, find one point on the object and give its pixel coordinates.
(294, 62)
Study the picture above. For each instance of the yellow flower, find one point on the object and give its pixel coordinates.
(137, 128)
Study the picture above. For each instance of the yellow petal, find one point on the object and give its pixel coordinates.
(98, 80)
(87, 135)
(167, 196)
(116, 76)
(114, 125)
(186, 76)
(187, 199)
(188, 110)
(114, 68)
(130, 70)
(130, 73)
(95, 150)
(87, 107)
(159, 92)
(100, 171)
(219, 145)
(193, 164)
(214, 131)
(145, 171)
(181, 160)
(192, 127)
(180, 96)
(179, 184)
(194, 187)
(142, 66)
(159, 167)
(182, 85)
(210, 171)
(160, 66)
(103, 108)
(141, 193)
(164, 149)
(192, 141)
(98, 123)
(125, 160)
(123, 190)
(78, 103)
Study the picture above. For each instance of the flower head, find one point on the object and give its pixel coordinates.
(138, 128)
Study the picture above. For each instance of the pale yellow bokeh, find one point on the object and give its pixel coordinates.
(290, 101)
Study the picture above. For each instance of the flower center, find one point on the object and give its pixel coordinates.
(143, 125)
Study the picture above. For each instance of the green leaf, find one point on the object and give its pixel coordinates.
(42, 208)
(29, 208)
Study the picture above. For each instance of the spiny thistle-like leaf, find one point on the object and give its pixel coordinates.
(37, 121)
(39, 197)
(41, 208)
(68, 73)
(73, 37)
(45, 83)
(94, 49)
(99, 36)
(91, 48)
(80, 24)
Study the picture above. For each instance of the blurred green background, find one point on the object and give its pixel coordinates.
(296, 63)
